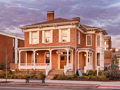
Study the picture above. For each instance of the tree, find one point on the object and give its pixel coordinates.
(115, 62)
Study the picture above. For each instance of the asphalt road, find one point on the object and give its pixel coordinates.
(15, 87)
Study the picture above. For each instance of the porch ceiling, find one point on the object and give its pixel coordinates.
(44, 48)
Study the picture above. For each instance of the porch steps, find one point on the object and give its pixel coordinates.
(57, 71)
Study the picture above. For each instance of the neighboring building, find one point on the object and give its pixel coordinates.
(62, 44)
(8, 43)
(107, 42)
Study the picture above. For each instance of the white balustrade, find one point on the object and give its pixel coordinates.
(48, 68)
(68, 67)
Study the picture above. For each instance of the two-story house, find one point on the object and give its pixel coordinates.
(62, 44)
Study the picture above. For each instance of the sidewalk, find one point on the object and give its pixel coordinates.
(90, 84)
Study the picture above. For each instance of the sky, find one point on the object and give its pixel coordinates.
(103, 14)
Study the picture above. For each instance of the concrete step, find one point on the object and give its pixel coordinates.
(53, 72)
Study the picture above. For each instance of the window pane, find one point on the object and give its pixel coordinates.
(34, 40)
(89, 40)
(64, 33)
(47, 34)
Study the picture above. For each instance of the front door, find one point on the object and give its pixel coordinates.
(63, 61)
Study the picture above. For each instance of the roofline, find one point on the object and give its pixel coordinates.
(48, 47)
(11, 35)
(24, 27)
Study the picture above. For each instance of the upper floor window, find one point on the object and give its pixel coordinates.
(64, 35)
(105, 42)
(47, 36)
(78, 37)
(34, 37)
(98, 40)
(88, 40)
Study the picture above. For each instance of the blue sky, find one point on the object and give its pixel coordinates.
(99, 13)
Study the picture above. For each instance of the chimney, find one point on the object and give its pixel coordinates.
(76, 19)
(50, 15)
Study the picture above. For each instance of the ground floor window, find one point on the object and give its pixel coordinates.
(47, 57)
(98, 59)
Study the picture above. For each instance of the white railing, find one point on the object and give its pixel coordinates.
(48, 68)
(68, 67)
(88, 67)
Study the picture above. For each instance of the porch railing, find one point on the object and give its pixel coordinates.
(68, 67)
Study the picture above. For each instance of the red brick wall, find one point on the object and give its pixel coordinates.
(6, 49)
(55, 39)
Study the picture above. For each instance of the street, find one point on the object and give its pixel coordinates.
(20, 87)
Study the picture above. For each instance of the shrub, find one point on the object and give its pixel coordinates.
(42, 75)
(75, 76)
(69, 77)
(113, 74)
(90, 72)
(10, 72)
(56, 75)
(81, 77)
(84, 74)
(2, 76)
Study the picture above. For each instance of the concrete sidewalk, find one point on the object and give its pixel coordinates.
(90, 84)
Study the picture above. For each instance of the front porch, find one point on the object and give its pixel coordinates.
(85, 59)
(45, 58)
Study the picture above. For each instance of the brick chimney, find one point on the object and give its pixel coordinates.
(76, 19)
(50, 15)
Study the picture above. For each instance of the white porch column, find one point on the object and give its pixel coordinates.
(34, 58)
(86, 58)
(89, 58)
(78, 59)
(26, 59)
(19, 59)
(67, 57)
(16, 51)
(72, 57)
(50, 58)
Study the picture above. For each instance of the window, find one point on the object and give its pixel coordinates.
(98, 59)
(47, 57)
(98, 40)
(64, 35)
(105, 42)
(18, 42)
(78, 37)
(34, 37)
(47, 36)
(13, 42)
(88, 40)
(105, 48)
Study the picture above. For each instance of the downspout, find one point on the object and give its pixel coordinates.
(75, 49)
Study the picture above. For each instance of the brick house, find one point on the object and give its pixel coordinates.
(62, 44)
(8, 43)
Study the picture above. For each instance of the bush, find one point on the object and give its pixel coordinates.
(90, 72)
(42, 75)
(84, 74)
(2, 76)
(113, 74)
(69, 77)
(75, 76)
(81, 77)
(10, 72)
(56, 75)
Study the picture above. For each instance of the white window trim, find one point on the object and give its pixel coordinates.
(43, 37)
(68, 35)
(97, 41)
(30, 37)
(86, 40)
(79, 37)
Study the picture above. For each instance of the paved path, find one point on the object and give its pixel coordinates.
(98, 84)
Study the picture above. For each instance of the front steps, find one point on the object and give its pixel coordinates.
(52, 73)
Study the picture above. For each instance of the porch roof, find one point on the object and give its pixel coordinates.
(45, 48)
(84, 49)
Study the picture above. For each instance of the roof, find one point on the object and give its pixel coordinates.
(57, 20)
(88, 26)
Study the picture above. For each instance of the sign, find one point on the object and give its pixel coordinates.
(79, 73)
(58, 52)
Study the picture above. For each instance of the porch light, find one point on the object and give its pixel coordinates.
(85, 55)
(37, 54)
